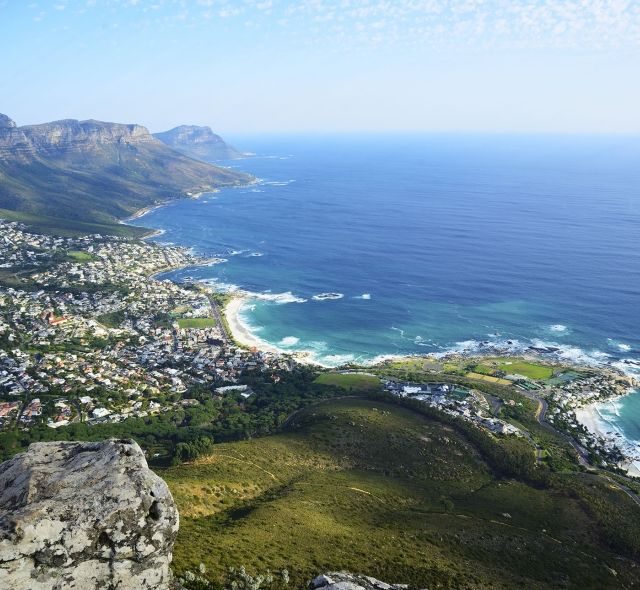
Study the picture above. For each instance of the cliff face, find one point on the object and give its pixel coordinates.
(6, 122)
(84, 515)
(66, 135)
(198, 142)
(96, 171)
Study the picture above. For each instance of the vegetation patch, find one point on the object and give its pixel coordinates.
(80, 256)
(72, 227)
(489, 378)
(526, 368)
(188, 323)
(112, 319)
(367, 486)
(350, 381)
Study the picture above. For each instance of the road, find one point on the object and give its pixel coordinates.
(226, 337)
(541, 415)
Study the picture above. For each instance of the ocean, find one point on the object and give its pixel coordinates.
(357, 247)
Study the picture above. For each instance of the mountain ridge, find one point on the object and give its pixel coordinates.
(97, 171)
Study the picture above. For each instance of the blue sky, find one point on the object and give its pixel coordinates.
(568, 66)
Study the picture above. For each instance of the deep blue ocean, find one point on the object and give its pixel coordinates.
(433, 242)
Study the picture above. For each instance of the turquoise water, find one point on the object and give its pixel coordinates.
(431, 243)
(622, 416)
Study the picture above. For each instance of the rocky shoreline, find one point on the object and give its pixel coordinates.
(595, 435)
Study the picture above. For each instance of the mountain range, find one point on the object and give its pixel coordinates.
(96, 171)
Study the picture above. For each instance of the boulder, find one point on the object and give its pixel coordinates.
(85, 516)
(347, 581)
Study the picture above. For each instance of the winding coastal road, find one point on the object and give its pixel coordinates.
(541, 415)
(582, 454)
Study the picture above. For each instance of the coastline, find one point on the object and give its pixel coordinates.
(242, 334)
(592, 419)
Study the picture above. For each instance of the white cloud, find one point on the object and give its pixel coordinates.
(578, 24)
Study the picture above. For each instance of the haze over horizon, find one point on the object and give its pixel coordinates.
(352, 65)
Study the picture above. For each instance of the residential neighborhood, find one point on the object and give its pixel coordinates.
(454, 400)
(92, 336)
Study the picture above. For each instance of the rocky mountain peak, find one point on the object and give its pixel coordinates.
(198, 142)
(6, 122)
(66, 135)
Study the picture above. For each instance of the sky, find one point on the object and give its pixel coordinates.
(254, 66)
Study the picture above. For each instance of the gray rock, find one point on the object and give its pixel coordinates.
(66, 136)
(85, 516)
(6, 122)
(347, 581)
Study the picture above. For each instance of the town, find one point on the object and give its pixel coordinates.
(90, 333)
(91, 336)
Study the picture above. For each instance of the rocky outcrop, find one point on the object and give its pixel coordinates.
(6, 122)
(84, 516)
(198, 142)
(66, 135)
(346, 581)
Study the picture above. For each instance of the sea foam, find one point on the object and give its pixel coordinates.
(558, 328)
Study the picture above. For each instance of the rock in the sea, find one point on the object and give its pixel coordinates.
(85, 516)
(346, 581)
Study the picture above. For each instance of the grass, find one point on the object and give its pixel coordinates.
(188, 323)
(80, 256)
(112, 319)
(526, 368)
(85, 185)
(484, 366)
(514, 366)
(369, 487)
(489, 378)
(350, 381)
(416, 364)
(70, 227)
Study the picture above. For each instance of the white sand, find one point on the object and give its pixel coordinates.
(240, 331)
(590, 418)
(243, 335)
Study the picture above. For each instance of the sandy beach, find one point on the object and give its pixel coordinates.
(243, 336)
(589, 417)
(592, 420)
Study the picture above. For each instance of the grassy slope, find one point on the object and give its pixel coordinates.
(70, 227)
(350, 381)
(105, 183)
(369, 487)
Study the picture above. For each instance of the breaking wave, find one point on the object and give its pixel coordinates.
(327, 296)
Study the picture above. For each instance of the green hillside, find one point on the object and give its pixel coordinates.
(106, 184)
(370, 487)
(95, 171)
(66, 227)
